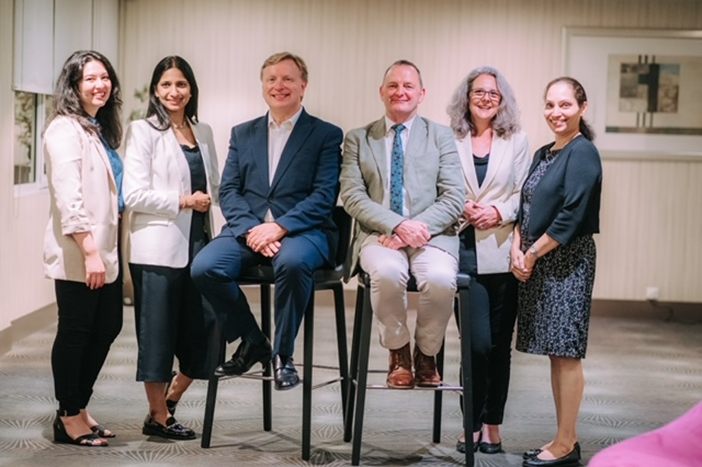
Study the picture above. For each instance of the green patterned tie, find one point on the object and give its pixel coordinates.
(396, 198)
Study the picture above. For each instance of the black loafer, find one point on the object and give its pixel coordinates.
(171, 430)
(536, 452)
(490, 448)
(246, 356)
(285, 375)
(461, 445)
(572, 459)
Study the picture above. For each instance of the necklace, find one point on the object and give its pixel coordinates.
(181, 126)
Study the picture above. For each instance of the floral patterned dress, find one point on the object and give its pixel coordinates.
(554, 304)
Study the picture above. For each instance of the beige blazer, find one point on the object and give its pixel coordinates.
(432, 181)
(83, 197)
(156, 174)
(507, 169)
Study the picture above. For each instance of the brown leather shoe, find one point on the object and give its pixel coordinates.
(425, 373)
(400, 372)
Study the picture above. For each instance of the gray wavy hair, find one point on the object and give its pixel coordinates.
(505, 123)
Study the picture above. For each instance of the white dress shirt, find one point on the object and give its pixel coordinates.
(278, 136)
(389, 140)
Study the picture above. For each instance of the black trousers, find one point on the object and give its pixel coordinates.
(88, 323)
(493, 302)
(172, 319)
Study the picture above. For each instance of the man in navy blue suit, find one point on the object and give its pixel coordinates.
(279, 187)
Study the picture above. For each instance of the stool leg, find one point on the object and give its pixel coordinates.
(467, 383)
(268, 371)
(353, 367)
(342, 348)
(364, 352)
(307, 379)
(438, 396)
(211, 400)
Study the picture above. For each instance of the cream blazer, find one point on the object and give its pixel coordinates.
(83, 199)
(507, 169)
(156, 174)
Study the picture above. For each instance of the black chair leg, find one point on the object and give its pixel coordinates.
(211, 399)
(466, 366)
(353, 366)
(340, 312)
(438, 396)
(267, 371)
(362, 375)
(307, 380)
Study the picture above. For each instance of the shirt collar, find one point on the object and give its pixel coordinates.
(389, 124)
(287, 124)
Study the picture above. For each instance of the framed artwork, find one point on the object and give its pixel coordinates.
(644, 89)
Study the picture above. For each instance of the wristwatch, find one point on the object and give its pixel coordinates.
(534, 251)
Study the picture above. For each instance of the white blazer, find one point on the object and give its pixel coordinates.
(156, 174)
(507, 169)
(83, 199)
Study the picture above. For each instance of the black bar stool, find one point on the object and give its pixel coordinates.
(324, 279)
(360, 350)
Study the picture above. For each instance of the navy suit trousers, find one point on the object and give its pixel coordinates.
(217, 267)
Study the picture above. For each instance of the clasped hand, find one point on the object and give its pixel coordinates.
(265, 238)
(408, 233)
(522, 265)
(481, 216)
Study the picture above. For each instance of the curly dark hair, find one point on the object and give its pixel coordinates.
(67, 98)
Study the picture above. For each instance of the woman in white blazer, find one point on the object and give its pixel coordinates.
(171, 179)
(80, 242)
(495, 158)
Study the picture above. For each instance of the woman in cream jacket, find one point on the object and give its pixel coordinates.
(80, 243)
(495, 158)
(171, 180)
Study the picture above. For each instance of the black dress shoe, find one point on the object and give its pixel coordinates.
(572, 459)
(490, 448)
(171, 430)
(246, 356)
(285, 374)
(536, 452)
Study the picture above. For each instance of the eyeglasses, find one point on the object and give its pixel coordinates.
(480, 93)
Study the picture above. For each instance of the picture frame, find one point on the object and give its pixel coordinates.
(644, 89)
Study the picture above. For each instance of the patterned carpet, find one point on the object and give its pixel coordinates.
(640, 374)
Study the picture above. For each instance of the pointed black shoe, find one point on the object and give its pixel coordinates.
(171, 430)
(246, 356)
(490, 448)
(572, 459)
(285, 374)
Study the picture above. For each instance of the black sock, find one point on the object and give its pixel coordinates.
(254, 336)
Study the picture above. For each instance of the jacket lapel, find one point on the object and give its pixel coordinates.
(497, 158)
(259, 148)
(376, 142)
(301, 130)
(98, 145)
(465, 152)
(416, 146)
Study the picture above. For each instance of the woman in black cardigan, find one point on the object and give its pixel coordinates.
(553, 255)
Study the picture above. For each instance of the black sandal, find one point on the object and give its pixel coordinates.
(101, 431)
(62, 436)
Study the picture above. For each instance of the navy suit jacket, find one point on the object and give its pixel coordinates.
(305, 187)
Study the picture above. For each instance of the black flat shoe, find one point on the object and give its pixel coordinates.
(572, 459)
(246, 356)
(536, 452)
(489, 448)
(285, 374)
(171, 430)
(101, 431)
(92, 440)
(461, 445)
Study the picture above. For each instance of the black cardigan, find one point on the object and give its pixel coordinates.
(566, 201)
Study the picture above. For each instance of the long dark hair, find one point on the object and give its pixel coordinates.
(155, 105)
(67, 98)
(580, 98)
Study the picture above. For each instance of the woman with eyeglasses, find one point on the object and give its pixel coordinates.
(494, 154)
(81, 249)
